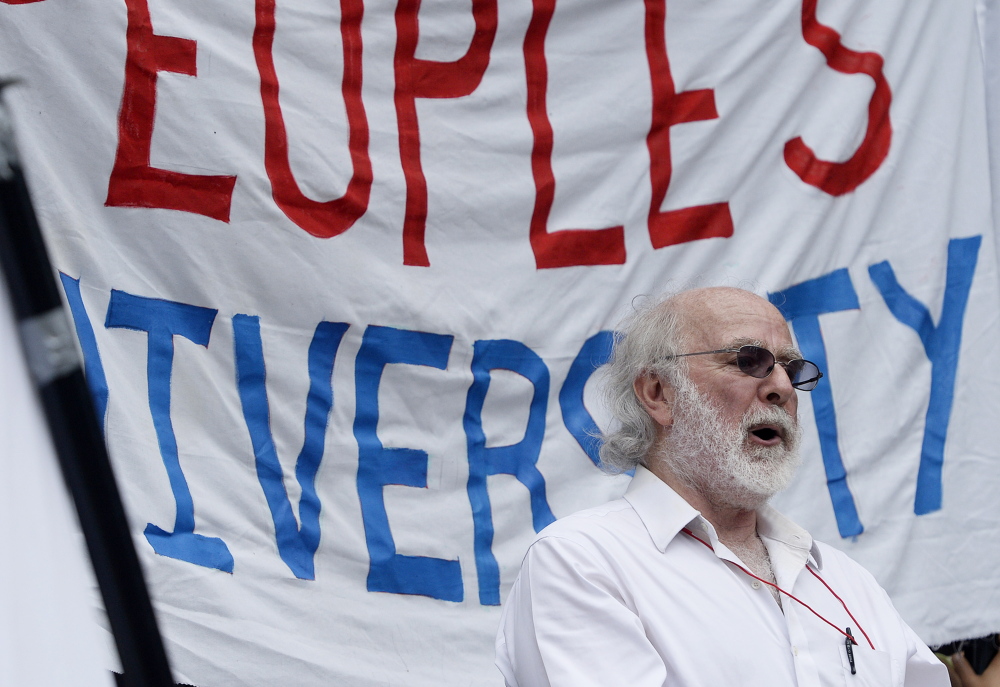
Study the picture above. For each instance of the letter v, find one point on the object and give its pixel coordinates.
(297, 541)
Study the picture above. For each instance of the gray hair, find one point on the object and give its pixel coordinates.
(645, 339)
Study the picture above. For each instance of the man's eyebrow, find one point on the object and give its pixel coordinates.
(783, 354)
(745, 341)
(788, 353)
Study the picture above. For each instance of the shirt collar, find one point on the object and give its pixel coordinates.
(662, 510)
(773, 525)
(665, 513)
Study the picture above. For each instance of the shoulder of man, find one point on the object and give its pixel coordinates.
(600, 530)
(582, 525)
(612, 531)
(589, 544)
(840, 564)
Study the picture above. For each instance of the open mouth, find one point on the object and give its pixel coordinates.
(766, 434)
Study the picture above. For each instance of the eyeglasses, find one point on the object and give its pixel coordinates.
(759, 362)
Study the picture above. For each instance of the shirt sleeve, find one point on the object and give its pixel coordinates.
(567, 623)
(923, 669)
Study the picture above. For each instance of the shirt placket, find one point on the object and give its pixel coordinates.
(788, 565)
(806, 672)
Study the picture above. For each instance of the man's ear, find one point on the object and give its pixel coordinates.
(656, 397)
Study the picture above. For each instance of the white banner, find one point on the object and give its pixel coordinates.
(342, 273)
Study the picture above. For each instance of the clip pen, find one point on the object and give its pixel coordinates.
(849, 642)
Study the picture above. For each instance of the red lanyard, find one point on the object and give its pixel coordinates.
(849, 637)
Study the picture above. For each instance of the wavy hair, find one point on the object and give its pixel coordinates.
(643, 342)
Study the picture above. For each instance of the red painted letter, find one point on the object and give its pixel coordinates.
(838, 178)
(670, 227)
(428, 79)
(133, 182)
(566, 247)
(333, 217)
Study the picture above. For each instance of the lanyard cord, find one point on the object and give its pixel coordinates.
(844, 605)
(794, 598)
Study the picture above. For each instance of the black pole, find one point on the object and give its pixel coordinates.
(55, 367)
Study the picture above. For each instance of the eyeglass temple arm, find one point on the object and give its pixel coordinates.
(721, 350)
(811, 380)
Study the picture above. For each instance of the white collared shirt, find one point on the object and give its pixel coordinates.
(618, 595)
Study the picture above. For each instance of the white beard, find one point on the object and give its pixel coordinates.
(718, 461)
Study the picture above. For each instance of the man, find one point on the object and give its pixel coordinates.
(691, 578)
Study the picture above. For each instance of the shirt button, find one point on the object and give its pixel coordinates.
(795, 650)
(755, 584)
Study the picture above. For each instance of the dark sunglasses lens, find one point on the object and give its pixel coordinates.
(804, 374)
(755, 361)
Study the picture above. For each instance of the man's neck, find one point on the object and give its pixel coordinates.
(735, 527)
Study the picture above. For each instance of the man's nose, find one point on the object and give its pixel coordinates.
(777, 388)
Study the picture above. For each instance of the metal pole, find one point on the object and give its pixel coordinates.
(55, 367)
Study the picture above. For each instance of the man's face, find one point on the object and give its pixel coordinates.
(734, 438)
(727, 321)
(717, 460)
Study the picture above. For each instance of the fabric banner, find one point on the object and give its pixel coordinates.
(344, 275)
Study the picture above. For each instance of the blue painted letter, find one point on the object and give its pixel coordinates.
(162, 320)
(297, 541)
(92, 366)
(802, 305)
(595, 352)
(942, 345)
(516, 459)
(379, 466)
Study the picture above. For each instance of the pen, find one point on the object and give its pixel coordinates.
(849, 642)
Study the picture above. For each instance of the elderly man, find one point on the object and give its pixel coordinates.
(691, 578)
